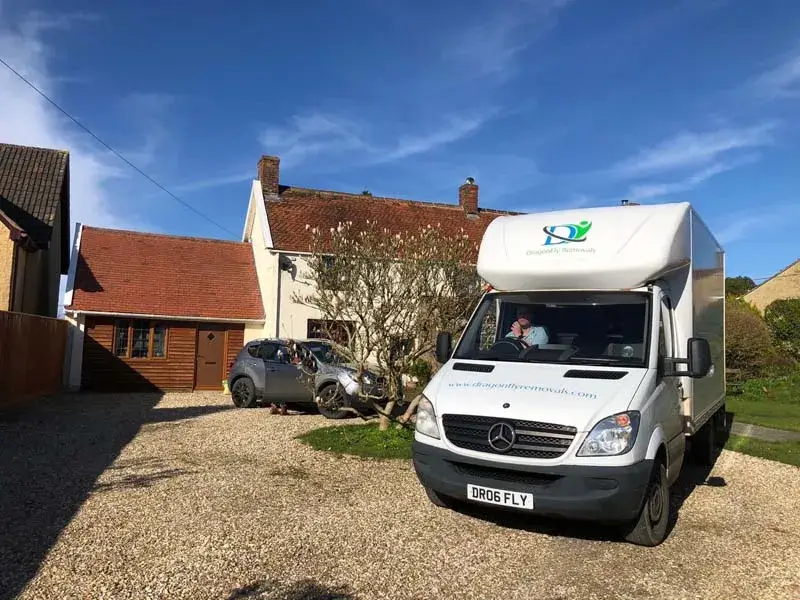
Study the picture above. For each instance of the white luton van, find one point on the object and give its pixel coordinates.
(597, 352)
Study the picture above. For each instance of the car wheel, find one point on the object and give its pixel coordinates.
(243, 393)
(331, 402)
(651, 527)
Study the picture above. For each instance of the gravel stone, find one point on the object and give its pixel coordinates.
(184, 496)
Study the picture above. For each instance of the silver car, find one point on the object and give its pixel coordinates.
(265, 372)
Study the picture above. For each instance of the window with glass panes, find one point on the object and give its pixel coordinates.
(140, 338)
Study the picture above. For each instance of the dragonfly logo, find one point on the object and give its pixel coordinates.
(567, 233)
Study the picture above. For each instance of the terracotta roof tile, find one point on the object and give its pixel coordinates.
(128, 272)
(297, 207)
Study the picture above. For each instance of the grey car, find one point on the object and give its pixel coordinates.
(263, 372)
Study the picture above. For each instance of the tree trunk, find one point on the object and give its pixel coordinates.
(411, 409)
(384, 423)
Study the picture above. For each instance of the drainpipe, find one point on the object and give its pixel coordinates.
(278, 300)
(284, 264)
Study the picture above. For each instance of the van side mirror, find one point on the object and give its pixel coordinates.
(698, 361)
(444, 347)
(699, 353)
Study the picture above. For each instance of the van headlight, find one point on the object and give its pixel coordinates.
(426, 419)
(612, 436)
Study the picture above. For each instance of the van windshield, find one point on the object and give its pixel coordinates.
(587, 328)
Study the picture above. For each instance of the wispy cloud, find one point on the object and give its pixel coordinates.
(490, 47)
(28, 119)
(311, 134)
(212, 182)
(148, 111)
(769, 216)
(654, 190)
(690, 149)
(346, 140)
(453, 129)
(782, 81)
(37, 23)
(738, 228)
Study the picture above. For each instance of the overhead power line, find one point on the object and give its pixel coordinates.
(115, 152)
(780, 276)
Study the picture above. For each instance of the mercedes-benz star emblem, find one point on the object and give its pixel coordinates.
(502, 437)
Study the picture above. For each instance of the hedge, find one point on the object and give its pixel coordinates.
(783, 319)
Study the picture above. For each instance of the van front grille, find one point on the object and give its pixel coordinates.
(509, 475)
(532, 439)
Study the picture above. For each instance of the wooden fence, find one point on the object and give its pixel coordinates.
(32, 350)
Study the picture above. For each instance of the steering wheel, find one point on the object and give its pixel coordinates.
(568, 352)
(508, 346)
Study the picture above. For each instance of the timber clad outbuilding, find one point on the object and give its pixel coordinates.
(157, 312)
(174, 355)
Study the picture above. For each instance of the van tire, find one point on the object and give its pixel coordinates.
(704, 444)
(651, 528)
(438, 499)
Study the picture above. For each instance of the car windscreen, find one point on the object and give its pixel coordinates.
(594, 328)
(324, 353)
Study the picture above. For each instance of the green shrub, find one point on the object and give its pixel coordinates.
(749, 345)
(783, 319)
(738, 286)
(422, 371)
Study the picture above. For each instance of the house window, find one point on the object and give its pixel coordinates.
(138, 338)
(327, 329)
(330, 274)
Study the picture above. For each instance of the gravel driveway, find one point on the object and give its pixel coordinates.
(182, 496)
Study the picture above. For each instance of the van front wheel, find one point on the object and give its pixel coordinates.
(650, 528)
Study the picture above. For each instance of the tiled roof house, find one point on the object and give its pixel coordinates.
(156, 311)
(34, 227)
(276, 226)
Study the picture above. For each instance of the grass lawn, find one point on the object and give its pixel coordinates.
(778, 406)
(785, 452)
(361, 440)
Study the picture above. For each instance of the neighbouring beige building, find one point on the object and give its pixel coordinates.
(34, 228)
(785, 284)
(277, 225)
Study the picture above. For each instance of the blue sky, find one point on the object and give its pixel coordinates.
(546, 103)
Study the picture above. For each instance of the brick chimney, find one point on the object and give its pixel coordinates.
(468, 196)
(269, 168)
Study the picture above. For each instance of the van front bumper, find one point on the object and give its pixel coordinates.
(603, 494)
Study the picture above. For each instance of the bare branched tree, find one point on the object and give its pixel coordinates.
(383, 297)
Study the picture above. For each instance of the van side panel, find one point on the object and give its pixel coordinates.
(708, 291)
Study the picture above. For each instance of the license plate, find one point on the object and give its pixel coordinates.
(479, 493)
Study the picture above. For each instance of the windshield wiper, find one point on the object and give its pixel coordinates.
(602, 359)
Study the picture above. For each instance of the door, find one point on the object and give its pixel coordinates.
(670, 390)
(210, 359)
(285, 382)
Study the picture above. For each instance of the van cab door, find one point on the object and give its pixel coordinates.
(669, 390)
